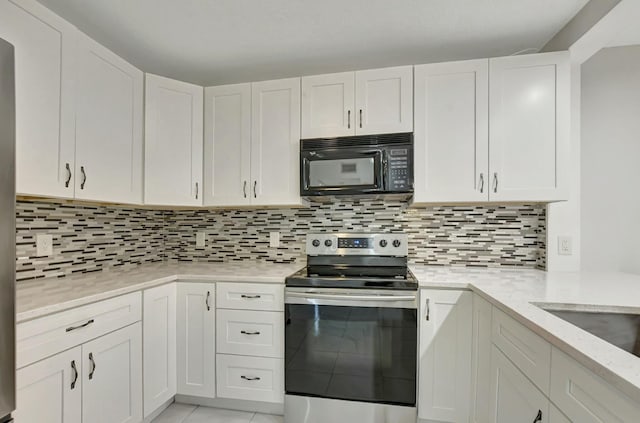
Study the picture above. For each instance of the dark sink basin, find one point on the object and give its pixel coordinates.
(619, 329)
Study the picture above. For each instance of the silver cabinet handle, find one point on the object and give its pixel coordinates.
(428, 310)
(244, 332)
(249, 296)
(84, 177)
(75, 374)
(495, 182)
(93, 366)
(244, 189)
(481, 182)
(84, 325)
(207, 301)
(66, 183)
(360, 118)
(348, 119)
(255, 184)
(250, 378)
(196, 190)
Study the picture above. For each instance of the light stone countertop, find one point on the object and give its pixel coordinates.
(518, 292)
(40, 297)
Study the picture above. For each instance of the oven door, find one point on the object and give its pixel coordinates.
(358, 345)
(340, 171)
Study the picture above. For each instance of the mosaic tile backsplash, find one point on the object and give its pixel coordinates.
(92, 238)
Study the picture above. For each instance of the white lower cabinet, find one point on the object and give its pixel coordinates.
(159, 339)
(245, 332)
(481, 360)
(445, 355)
(196, 369)
(112, 377)
(513, 397)
(586, 398)
(50, 391)
(250, 378)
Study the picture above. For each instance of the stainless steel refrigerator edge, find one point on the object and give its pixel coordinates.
(7, 232)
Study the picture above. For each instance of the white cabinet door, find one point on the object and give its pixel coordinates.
(445, 355)
(384, 100)
(109, 117)
(112, 377)
(50, 391)
(328, 105)
(173, 142)
(529, 127)
(227, 145)
(44, 97)
(196, 339)
(513, 397)
(481, 360)
(452, 132)
(159, 342)
(275, 140)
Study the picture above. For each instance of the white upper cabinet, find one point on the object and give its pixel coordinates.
(109, 115)
(328, 105)
(173, 142)
(227, 145)
(384, 100)
(376, 101)
(275, 140)
(451, 131)
(44, 97)
(529, 127)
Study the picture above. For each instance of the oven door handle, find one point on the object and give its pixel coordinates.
(313, 296)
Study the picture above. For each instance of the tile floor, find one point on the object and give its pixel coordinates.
(183, 413)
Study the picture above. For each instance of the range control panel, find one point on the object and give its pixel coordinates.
(394, 244)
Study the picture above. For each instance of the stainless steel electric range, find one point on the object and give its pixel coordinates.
(351, 332)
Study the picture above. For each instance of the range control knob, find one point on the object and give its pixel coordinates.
(383, 243)
(327, 243)
(396, 243)
(315, 242)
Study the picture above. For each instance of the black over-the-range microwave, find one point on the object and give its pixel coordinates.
(357, 165)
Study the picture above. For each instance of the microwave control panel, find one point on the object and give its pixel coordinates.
(400, 169)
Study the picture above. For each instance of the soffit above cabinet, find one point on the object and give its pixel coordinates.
(225, 41)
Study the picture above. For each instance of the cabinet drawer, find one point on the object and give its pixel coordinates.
(243, 332)
(586, 398)
(530, 353)
(43, 337)
(250, 378)
(250, 296)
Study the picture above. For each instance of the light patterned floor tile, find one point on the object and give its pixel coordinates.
(217, 415)
(175, 413)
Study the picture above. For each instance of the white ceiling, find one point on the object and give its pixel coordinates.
(223, 41)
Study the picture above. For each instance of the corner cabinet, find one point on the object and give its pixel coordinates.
(173, 142)
(444, 380)
(375, 101)
(252, 135)
(501, 126)
(44, 48)
(108, 126)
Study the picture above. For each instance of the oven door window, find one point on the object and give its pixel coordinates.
(351, 353)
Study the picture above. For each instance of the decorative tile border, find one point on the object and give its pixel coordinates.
(93, 238)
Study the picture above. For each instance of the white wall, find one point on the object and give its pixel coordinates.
(610, 161)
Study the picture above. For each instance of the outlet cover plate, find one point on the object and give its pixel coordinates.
(44, 245)
(564, 246)
(274, 239)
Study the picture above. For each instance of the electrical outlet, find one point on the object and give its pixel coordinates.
(564, 246)
(274, 239)
(201, 239)
(44, 245)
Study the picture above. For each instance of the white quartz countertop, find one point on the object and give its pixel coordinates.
(518, 292)
(40, 297)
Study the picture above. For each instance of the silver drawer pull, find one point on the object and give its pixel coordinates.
(244, 332)
(249, 296)
(250, 378)
(84, 325)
